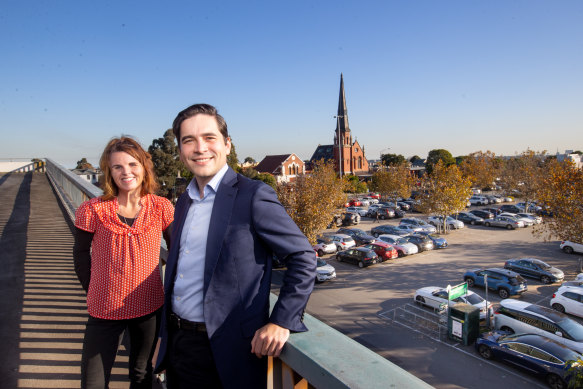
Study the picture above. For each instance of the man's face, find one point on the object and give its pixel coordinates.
(203, 148)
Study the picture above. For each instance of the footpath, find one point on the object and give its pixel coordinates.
(42, 309)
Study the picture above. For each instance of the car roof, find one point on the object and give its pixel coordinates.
(391, 236)
(537, 310)
(506, 272)
(381, 243)
(342, 235)
(544, 343)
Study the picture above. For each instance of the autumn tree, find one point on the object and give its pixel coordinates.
(437, 155)
(481, 168)
(311, 200)
(523, 174)
(561, 194)
(394, 181)
(445, 191)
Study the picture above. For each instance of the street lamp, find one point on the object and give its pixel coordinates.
(340, 144)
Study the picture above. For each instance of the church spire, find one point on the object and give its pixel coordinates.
(342, 111)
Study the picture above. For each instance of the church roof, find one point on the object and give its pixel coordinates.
(271, 163)
(325, 152)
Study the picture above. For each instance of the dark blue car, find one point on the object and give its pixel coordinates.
(438, 243)
(387, 229)
(537, 354)
(505, 282)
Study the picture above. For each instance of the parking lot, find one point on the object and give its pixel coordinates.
(375, 306)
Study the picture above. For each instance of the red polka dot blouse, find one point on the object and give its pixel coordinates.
(125, 276)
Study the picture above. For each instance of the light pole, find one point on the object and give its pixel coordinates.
(340, 144)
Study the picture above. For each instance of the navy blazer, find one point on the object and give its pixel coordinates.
(248, 224)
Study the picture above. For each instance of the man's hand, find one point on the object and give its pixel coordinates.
(269, 340)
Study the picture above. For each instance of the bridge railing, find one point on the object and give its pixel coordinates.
(320, 358)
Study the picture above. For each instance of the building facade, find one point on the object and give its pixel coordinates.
(284, 167)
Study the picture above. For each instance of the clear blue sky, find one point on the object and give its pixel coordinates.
(497, 75)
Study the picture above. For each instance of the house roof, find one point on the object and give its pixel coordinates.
(271, 163)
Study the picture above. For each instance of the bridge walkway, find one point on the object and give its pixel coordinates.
(42, 310)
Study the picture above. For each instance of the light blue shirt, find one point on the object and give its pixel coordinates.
(187, 296)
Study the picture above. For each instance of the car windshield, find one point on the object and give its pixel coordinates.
(320, 262)
(572, 328)
(325, 240)
(542, 264)
(432, 236)
(400, 241)
(474, 298)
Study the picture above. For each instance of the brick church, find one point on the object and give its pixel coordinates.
(348, 156)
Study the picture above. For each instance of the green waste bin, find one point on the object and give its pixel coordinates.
(463, 323)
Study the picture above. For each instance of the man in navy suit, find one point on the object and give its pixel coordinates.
(216, 328)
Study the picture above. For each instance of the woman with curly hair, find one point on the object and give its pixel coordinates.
(116, 256)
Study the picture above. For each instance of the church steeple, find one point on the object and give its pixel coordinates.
(342, 111)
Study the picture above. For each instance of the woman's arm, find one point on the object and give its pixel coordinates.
(82, 256)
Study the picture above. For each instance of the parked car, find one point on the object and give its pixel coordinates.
(361, 211)
(403, 247)
(438, 243)
(409, 229)
(478, 200)
(568, 299)
(452, 224)
(505, 282)
(571, 247)
(387, 229)
(519, 317)
(350, 219)
(483, 214)
(577, 283)
(399, 213)
(383, 213)
(336, 221)
(358, 255)
(359, 236)
(510, 208)
(342, 241)
(528, 207)
(404, 206)
(413, 221)
(324, 245)
(535, 218)
(468, 218)
(354, 203)
(493, 211)
(324, 271)
(493, 199)
(384, 250)
(422, 242)
(535, 268)
(436, 297)
(505, 222)
(526, 221)
(536, 354)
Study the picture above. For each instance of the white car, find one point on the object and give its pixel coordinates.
(401, 245)
(436, 297)
(528, 222)
(571, 247)
(520, 317)
(359, 210)
(325, 245)
(342, 241)
(535, 218)
(568, 299)
(452, 223)
(479, 200)
(324, 271)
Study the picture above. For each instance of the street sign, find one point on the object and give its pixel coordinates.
(457, 291)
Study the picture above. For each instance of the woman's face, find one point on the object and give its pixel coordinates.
(126, 171)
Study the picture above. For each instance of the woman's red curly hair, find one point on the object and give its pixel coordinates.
(132, 147)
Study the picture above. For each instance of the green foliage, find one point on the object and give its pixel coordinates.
(576, 380)
(437, 155)
(353, 184)
(255, 175)
(83, 164)
(232, 159)
(249, 160)
(312, 200)
(392, 159)
(167, 165)
(414, 158)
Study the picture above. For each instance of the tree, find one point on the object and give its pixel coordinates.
(83, 164)
(445, 191)
(395, 181)
(523, 174)
(311, 200)
(438, 155)
(561, 194)
(232, 159)
(253, 174)
(481, 168)
(249, 160)
(354, 185)
(414, 158)
(167, 165)
(392, 159)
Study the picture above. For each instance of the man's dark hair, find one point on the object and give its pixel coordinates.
(196, 109)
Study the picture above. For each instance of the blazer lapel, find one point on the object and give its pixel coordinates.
(180, 213)
(220, 217)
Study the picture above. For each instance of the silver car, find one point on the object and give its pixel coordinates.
(505, 222)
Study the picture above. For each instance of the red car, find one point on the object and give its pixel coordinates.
(384, 250)
(353, 203)
(375, 196)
